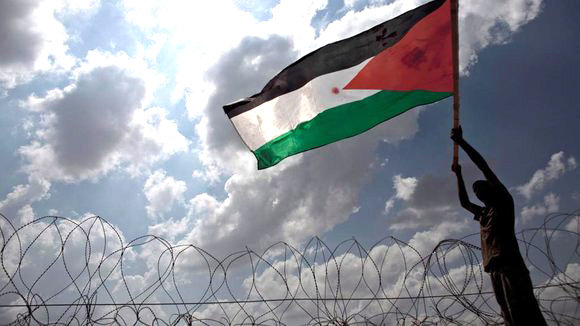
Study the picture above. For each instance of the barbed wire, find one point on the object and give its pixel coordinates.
(60, 271)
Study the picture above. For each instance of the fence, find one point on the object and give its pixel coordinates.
(59, 271)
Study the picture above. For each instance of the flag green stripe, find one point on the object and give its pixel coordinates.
(341, 122)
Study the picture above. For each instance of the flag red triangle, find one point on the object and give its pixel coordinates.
(422, 60)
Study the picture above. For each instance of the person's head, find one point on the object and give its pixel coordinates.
(483, 190)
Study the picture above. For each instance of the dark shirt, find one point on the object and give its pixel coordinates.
(498, 240)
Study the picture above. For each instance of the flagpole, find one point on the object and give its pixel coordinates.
(455, 47)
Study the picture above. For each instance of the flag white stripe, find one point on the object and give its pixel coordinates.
(282, 114)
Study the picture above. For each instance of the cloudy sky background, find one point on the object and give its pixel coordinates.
(113, 108)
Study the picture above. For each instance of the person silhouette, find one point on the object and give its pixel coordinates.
(509, 275)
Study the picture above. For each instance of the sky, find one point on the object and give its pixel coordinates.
(113, 108)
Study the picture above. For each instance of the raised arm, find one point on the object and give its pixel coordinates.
(457, 136)
(463, 197)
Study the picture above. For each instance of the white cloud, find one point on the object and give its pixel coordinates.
(100, 122)
(26, 214)
(353, 22)
(76, 6)
(405, 187)
(556, 168)
(551, 205)
(196, 36)
(292, 19)
(425, 202)
(389, 204)
(490, 22)
(560, 297)
(350, 3)
(162, 193)
(16, 205)
(574, 224)
(170, 230)
(33, 39)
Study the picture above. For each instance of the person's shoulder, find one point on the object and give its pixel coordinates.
(502, 191)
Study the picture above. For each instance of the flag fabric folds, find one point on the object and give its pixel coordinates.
(350, 86)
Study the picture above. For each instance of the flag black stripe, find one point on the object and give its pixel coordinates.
(336, 56)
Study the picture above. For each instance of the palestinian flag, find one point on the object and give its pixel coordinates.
(350, 86)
